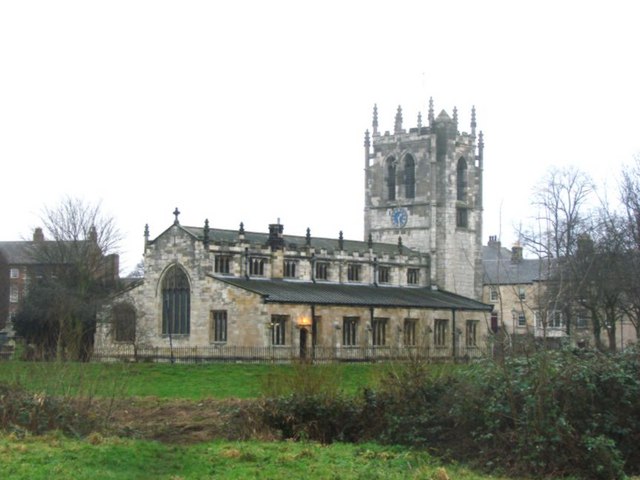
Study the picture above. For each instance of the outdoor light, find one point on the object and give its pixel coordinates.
(304, 322)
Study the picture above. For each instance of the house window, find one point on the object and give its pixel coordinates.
(391, 178)
(124, 323)
(520, 319)
(556, 320)
(462, 220)
(409, 177)
(322, 270)
(521, 293)
(290, 268)
(581, 319)
(413, 276)
(218, 326)
(222, 263)
(440, 333)
(256, 266)
(353, 272)
(176, 300)
(471, 333)
(383, 274)
(278, 325)
(349, 329)
(14, 273)
(410, 331)
(13, 294)
(493, 295)
(379, 331)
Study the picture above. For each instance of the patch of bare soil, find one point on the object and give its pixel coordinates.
(184, 421)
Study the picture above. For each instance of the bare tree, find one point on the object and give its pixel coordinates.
(78, 268)
(562, 199)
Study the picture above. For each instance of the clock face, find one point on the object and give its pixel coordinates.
(399, 217)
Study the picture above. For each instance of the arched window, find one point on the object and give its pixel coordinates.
(175, 302)
(409, 177)
(124, 323)
(391, 178)
(462, 180)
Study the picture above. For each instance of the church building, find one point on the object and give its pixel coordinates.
(412, 286)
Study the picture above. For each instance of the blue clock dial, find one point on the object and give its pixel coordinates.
(399, 217)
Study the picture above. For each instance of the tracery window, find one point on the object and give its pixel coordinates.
(176, 302)
(256, 266)
(384, 274)
(222, 263)
(440, 333)
(322, 270)
(379, 331)
(349, 330)
(218, 326)
(278, 325)
(410, 331)
(290, 268)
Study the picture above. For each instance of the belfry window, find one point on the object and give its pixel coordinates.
(461, 180)
(391, 178)
(176, 302)
(409, 177)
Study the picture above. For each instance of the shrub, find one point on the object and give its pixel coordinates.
(37, 413)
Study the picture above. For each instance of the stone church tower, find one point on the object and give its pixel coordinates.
(423, 188)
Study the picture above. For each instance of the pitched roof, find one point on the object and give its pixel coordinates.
(499, 269)
(299, 241)
(18, 253)
(284, 291)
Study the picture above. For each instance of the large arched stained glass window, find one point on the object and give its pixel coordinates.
(409, 177)
(391, 178)
(175, 302)
(462, 180)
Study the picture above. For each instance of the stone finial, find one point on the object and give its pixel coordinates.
(432, 117)
(241, 230)
(473, 121)
(308, 237)
(367, 141)
(176, 212)
(93, 234)
(480, 148)
(370, 241)
(341, 241)
(375, 119)
(419, 119)
(205, 233)
(146, 235)
(455, 117)
(398, 123)
(400, 244)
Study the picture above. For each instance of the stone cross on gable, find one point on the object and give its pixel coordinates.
(176, 212)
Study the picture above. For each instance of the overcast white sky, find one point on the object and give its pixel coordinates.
(250, 111)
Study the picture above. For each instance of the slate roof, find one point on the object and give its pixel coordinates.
(18, 253)
(284, 291)
(500, 269)
(299, 241)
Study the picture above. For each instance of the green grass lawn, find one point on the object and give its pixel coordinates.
(185, 381)
(53, 457)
